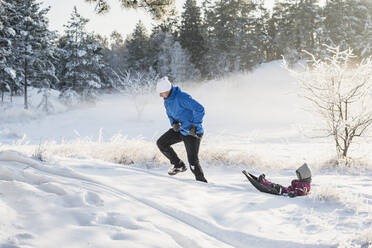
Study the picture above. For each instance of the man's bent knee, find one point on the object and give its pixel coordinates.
(160, 144)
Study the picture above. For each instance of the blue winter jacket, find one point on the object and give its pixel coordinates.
(182, 108)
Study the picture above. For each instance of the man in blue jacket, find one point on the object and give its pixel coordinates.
(186, 117)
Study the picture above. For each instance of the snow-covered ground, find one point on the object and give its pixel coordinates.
(103, 182)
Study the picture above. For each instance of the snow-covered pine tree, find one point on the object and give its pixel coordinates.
(44, 74)
(347, 24)
(91, 65)
(32, 46)
(190, 34)
(181, 67)
(97, 49)
(7, 73)
(158, 33)
(71, 80)
(81, 61)
(174, 61)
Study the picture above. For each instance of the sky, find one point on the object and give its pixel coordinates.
(121, 20)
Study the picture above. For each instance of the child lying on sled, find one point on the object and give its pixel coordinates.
(298, 187)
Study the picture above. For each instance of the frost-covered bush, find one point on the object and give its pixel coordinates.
(332, 193)
(338, 91)
(326, 193)
(139, 85)
(39, 153)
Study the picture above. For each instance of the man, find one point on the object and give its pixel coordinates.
(185, 116)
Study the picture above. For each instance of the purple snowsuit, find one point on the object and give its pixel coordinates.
(297, 188)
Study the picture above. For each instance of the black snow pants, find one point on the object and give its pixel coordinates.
(192, 149)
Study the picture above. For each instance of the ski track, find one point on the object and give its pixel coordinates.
(229, 238)
(184, 181)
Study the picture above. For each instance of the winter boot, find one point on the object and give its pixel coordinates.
(198, 172)
(181, 167)
(261, 178)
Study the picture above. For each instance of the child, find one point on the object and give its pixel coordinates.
(298, 187)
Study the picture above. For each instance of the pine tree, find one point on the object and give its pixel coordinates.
(108, 78)
(71, 56)
(170, 25)
(44, 74)
(32, 46)
(117, 40)
(283, 23)
(231, 39)
(295, 27)
(251, 37)
(365, 47)
(117, 55)
(113, 61)
(347, 24)
(264, 34)
(174, 61)
(307, 12)
(158, 8)
(190, 35)
(82, 61)
(7, 73)
(138, 49)
(83, 70)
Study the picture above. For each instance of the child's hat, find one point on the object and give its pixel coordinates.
(303, 172)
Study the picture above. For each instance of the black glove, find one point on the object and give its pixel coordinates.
(176, 126)
(291, 194)
(192, 131)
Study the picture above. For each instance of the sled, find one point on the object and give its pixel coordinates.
(259, 186)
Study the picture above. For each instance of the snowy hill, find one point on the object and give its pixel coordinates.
(103, 182)
(86, 203)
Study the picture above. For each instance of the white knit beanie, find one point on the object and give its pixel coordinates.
(163, 85)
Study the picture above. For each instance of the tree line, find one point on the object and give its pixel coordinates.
(205, 41)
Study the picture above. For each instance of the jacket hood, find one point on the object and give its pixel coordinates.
(303, 172)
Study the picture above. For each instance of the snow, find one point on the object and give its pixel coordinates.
(94, 84)
(103, 183)
(13, 114)
(11, 32)
(11, 72)
(81, 53)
